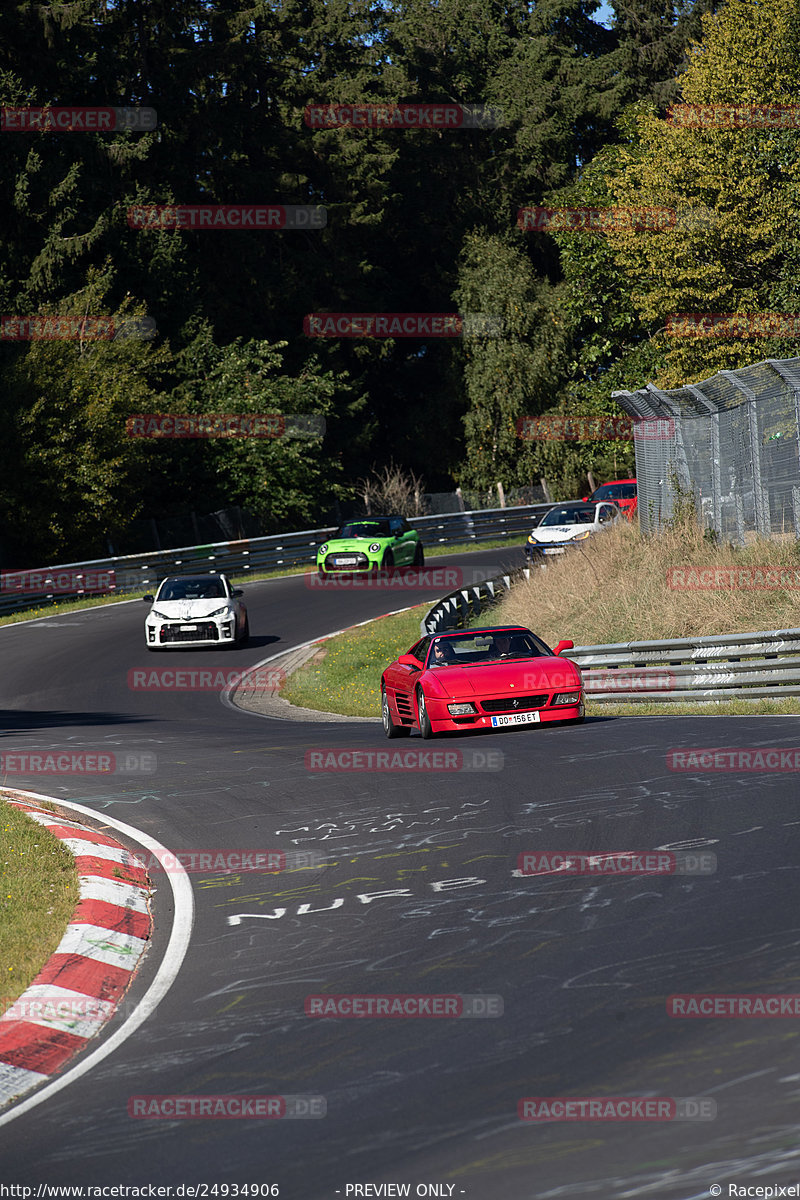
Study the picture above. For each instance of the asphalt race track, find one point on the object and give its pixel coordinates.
(417, 894)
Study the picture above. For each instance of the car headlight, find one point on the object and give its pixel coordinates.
(532, 540)
(461, 710)
(323, 549)
(219, 611)
(567, 698)
(579, 537)
(374, 547)
(155, 613)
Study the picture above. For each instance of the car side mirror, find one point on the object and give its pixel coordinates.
(237, 592)
(149, 599)
(408, 660)
(567, 645)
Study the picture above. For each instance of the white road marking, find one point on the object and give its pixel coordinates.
(165, 975)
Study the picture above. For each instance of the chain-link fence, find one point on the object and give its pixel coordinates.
(732, 442)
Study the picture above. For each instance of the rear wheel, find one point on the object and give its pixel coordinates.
(389, 728)
(419, 556)
(425, 727)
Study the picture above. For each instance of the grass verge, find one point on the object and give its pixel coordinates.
(613, 590)
(38, 894)
(344, 675)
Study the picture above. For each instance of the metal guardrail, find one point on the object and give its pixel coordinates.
(141, 572)
(733, 666)
(462, 606)
(750, 666)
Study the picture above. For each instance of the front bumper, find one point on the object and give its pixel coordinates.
(362, 563)
(542, 551)
(187, 635)
(443, 722)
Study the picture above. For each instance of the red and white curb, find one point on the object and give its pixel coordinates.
(81, 985)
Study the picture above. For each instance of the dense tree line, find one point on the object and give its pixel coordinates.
(418, 221)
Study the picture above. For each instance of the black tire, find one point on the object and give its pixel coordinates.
(389, 728)
(419, 556)
(388, 561)
(425, 727)
(245, 638)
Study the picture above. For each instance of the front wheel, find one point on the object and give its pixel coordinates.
(245, 632)
(425, 727)
(388, 561)
(389, 728)
(419, 556)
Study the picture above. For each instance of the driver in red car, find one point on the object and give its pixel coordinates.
(442, 654)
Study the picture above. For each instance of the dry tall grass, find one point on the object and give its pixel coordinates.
(614, 589)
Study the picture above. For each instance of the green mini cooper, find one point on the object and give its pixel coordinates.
(371, 544)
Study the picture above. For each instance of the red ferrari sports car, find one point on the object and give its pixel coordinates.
(479, 679)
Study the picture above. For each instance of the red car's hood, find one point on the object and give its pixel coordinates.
(488, 679)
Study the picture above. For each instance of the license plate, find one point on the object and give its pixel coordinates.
(553, 550)
(188, 628)
(527, 718)
(345, 562)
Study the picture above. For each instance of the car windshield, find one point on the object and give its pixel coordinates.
(192, 589)
(572, 515)
(475, 649)
(615, 491)
(364, 529)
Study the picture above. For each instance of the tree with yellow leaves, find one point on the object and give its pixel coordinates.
(730, 171)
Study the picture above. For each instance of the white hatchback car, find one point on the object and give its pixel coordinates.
(196, 610)
(566, 524)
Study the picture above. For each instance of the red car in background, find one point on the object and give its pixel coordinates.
(479, 679)
(622, 491)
